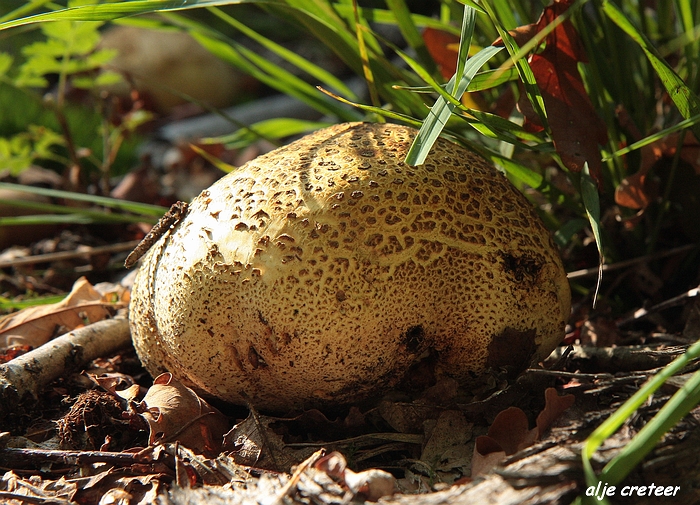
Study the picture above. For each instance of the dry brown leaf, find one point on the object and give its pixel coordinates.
(634, 192)
(510, 433)
(175, 412)
(34, 326)
(252, 442)
(554, 406)
(447, 449)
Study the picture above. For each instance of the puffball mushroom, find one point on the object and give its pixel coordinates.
(317, 274)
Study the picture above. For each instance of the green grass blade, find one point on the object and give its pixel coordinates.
(527, 77)
(618, 418)
(388, 17)
(323, 76)
(682, 402)
(23, 10)
(7, 304)
(272, 75)
(95, 216)
(486, 79)
(687, 102)
(276, 128)
(411, 35)
(686, 123)
(110, 11)
(389, 114)
(441, 111)
(465, 42)
(591, 201)
(143, 209)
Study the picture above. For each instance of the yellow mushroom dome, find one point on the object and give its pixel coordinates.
(319, 273)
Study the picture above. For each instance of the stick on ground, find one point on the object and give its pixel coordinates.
(29, 373)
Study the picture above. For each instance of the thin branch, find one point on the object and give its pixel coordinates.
(29, 373)
(67, 255)
(608, 267)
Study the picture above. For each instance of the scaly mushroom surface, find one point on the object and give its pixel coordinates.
(319, 273)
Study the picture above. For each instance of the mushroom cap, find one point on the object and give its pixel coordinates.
(320, 272)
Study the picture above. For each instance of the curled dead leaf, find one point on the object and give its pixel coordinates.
(510, 432)
(34, 326)
(175, 412)
(370, 484)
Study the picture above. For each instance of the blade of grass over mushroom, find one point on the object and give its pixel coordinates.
(277, 128)
(620, 416)
(494, 126)
(376, 110)
(591, 201)
(441, 111)
(217, 162)
(685, 99)
(486, 79)
(465, 41)
(143, 209)
(423, 73)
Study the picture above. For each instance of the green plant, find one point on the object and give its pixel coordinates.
(67, 50)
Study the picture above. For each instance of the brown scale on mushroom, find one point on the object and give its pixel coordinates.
(320, 272)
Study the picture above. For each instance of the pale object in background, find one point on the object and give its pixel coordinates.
(156, 61)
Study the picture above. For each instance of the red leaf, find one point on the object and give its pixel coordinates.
(576, 127)
(443, 47)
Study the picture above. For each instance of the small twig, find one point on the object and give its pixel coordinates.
(10, 457)
(288, 488)
(45, 500)
(67, 255)
(27, 374)
(671, 302)
(608, 267)
(171, 218)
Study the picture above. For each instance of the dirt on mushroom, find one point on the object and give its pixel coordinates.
(321, 272)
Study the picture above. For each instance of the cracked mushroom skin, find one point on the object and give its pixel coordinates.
(319, 273)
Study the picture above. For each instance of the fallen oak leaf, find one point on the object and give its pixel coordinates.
(175, 412)
(34, 326)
